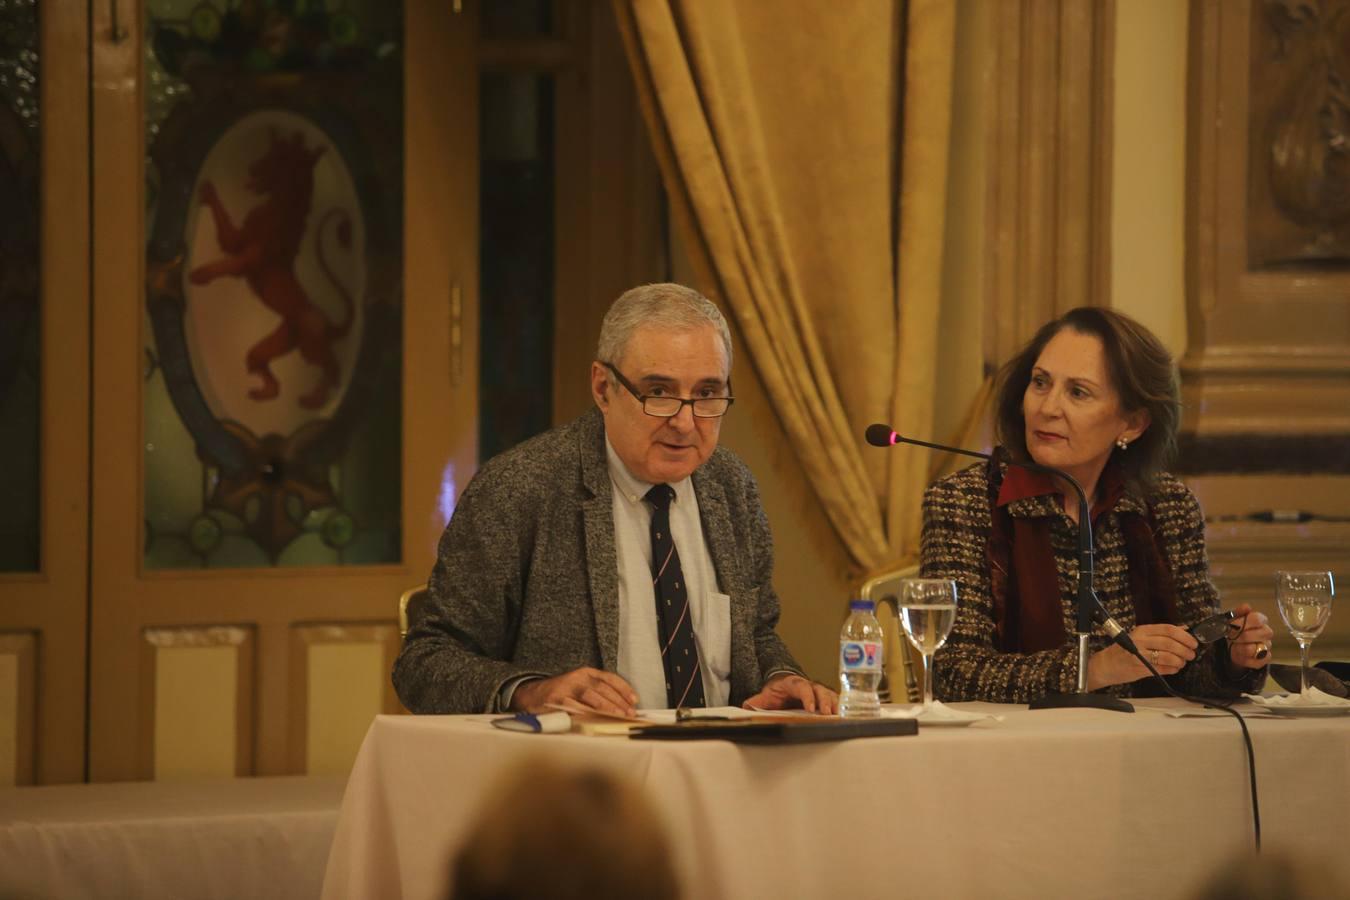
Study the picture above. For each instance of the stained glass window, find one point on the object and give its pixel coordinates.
(516, 183)
(20, 298)
(273, 337)
(506, 19)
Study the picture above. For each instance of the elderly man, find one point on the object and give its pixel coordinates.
(620, 561)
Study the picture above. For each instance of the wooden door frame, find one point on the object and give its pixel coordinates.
(51, 604)
(440, 285)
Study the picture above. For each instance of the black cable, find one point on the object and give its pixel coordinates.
(1281, 517)
(1124, 640)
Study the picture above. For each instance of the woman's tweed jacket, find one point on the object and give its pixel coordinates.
(526, 580)
(956, 524)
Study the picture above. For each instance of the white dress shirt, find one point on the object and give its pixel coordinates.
(639, 645)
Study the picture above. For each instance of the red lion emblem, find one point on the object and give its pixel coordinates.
(262, 251)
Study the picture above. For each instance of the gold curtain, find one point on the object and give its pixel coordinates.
(804, 149)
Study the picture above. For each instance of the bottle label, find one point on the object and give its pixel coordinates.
(860, 656)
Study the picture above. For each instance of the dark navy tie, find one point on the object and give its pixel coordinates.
(675, 629)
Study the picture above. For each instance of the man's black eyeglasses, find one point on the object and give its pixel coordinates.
(668, 407)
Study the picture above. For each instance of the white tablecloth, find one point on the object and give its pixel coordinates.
(230, 838)
(1043, 804)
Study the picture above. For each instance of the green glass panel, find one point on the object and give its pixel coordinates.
(515, 258)
(515, 19)
(20, 298)
(309, 549)
(273, 335)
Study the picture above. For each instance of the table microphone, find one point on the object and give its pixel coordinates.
(1088, 606)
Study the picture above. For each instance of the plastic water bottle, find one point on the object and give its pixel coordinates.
(860, 650)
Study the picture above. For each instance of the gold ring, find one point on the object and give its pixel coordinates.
(1153, 654)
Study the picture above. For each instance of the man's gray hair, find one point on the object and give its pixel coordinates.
(664, 305)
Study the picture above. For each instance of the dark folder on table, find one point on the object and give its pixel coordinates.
(775, 730)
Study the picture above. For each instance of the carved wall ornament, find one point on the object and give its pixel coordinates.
(1299, 178)
(1266, 374)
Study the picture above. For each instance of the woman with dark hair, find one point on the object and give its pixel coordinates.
(1094, 394)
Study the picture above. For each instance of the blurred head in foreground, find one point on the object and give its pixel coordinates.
(556, 833)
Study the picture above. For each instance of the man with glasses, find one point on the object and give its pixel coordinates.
(620, 561)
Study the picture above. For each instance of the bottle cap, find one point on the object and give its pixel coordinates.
(862, 605)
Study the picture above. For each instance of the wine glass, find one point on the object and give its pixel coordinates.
(927, 612)
(1304, 599)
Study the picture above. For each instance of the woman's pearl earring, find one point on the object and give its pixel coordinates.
(1122, 443)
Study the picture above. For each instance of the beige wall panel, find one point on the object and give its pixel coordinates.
(195, 694)
(9, 719)
(345, 694)
(1148, 185)
(1229, 497)
(196, 702)
(340, 682)
(18, 702)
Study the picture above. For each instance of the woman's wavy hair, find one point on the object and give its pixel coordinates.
(1141, 370)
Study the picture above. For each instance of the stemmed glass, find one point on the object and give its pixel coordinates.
(1304, 599)
(927, 612)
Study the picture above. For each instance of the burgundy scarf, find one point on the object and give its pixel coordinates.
(1023, 578)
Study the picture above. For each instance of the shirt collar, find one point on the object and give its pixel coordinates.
(632, 488)
(1020, 483)
(1039, 489)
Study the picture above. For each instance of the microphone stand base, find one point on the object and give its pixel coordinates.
(1081, 701)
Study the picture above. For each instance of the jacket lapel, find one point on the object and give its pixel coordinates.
(718, 533)
(720, 537)
(602, 567)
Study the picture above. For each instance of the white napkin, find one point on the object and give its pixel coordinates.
(1316, 697)
(1194, 711)
(940, 712)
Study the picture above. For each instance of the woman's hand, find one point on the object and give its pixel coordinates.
(1167, 647)
(1250, 649)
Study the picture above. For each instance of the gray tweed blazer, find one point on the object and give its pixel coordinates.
(526, 580)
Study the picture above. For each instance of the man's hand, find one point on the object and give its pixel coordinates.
(788, 691)
(601, 691)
